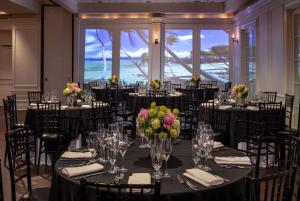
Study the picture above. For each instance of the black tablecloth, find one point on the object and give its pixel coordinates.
(138, 160)
(202, 94)
(101, 92)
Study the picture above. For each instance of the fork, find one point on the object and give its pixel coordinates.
(80, 164)
(183, 181)
(118, 178)
(233, 166)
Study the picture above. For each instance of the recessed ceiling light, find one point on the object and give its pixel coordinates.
(196, 1)
(3, 13)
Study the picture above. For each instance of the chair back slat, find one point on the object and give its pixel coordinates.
(269, 96)
(122, 192)
(9, 115)
(289, 106)
(34, 97)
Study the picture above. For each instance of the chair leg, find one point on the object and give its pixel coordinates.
(39, 159)
(46, 161)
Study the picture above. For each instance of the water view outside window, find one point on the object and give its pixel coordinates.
(134, 59)
(98, 55)
(178, 55)
(214, 55)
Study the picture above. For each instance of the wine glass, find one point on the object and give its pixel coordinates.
(141, 134)
(195, 152)
(156, 157)
(166, 147)
(112, 158)
(123, 146)
(209, 142)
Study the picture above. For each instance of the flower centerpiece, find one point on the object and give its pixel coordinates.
(155, 84)
(159, 120)
(196, 80)
(71, 92)
(239, 92)
(113, 80)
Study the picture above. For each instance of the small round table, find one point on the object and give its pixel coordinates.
(138, 160)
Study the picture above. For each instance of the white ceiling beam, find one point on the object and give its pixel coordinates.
(70, 5)
(232, 6)
(32, 5)
(151, 7)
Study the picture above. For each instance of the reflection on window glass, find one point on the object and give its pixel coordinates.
(178, 55)
(98, 55)
(214, 55)
(134, 59)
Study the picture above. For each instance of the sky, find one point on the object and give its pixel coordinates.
(135, 46)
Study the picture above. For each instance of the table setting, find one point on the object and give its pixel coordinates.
(187, 168)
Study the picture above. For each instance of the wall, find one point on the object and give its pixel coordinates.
(5, 64)
(57, 49)
(271, 70)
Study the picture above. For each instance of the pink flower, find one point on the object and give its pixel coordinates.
(144, 113)
(169, 119)
(74, 89)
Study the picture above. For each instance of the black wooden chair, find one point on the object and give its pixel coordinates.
(158, 96)
(13, 99)
(1, 184)
(48, 129)
(278, 186)
(250, 133)
(205, 86)
(86, 86)
(17, 143)
(227, 86)
(112, 192)
(177, 87)
(34, 97)
(221, 127)
(271, 115)
(269, 96)
(93, 84)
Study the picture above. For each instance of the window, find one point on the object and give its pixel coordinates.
(250, 46)
(98, 55)
(214, 55)
(296, 66)
(134, 55)
(178, 55)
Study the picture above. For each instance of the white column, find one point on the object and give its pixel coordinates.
(156, 64)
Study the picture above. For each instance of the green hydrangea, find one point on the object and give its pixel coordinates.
(155, 123)
(175, 111)
(152, 113)
(163, 108)
(176, 124)
(161, 115)
(153, 105)
(173, 133)
(163, 135)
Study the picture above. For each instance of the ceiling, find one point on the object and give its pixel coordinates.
(149, 1)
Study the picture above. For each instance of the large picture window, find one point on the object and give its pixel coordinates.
(178, 55)
(97, 55)
(134, 55)
(214, 55)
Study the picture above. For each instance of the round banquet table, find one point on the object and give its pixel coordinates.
(100, 92)
(137, 101)
(202, 93)
(250, 113)
(67, 112)
(138, 160)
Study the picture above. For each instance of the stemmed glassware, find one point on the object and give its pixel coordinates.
(195, 152)
(166, 147)
(157, 159)
(112, 154)
(123, 146)
(142, 134)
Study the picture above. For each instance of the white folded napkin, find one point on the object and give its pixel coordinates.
(225, 107)
(243, 160)
(252, 108)
(218, 145)
(75, 171)
(64, 107)
(203, 178)
(133, 94)
(140, 178)
(231, 100)
(85, 106)
(74, 154)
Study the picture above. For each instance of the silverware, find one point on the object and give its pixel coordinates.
(186, 182)
(80, 164)
(118, 178)
(90, 175)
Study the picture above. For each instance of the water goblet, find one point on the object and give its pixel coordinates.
(195, 152)
(157, 159)
(166, 147)
(112, 158)
(123, 146)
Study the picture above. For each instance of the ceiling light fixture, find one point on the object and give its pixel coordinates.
(3, 13)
